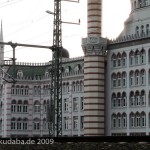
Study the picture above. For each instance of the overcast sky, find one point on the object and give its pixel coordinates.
(25, 21)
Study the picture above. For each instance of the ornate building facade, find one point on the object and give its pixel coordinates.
(106, 92)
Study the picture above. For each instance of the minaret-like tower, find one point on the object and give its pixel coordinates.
(94, 47)
(1, 46)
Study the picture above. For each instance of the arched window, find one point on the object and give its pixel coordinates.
(124, 57)
(114, 78)
(137, 77)
(143, 56)
(37, 107)
(26, 90)
(124, 120)
(124, 99)
(118, 99)
(67, 86)
(44, 124)
(74, 87)
(114, 121)
(131, 58)
(119, 79)
(118, 60)
(25, 124)
(25, 106)
(113, 60)
(20, 74)
(137, 98)
(13, 90)
(124, 79)
(137, 30)
(19, 124)
(114, 100)
(138, 119)
(81, 86)
(13, 106)
(77, 86)
(119, 123)
(143, 119)
(132, 99)
(149, 55)
(137, 57)
(142, 30)
(13, 124)
(131, 75)
(19, 106)
(132, 120)
(142, 74)
(147, 29)
(143, 100)
(36, 124)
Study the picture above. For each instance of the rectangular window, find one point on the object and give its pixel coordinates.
(142, 59)
(25, 126)
(131, 81)
(132, 121)
(119, 102)
(124, 82)
(19, 108)
(137, 59)
(124, 102)
(114, 122)
(66, 104)
(114, 102)
(75, 123)
(138, 121)
(18, 125)
(36, 126)
(123, 62)
(25, 108)
(114, 83)
(137, 80)
(75, 104)
(138, 101)
(82, 122)
(119, 82)
(82, 103)
(66, 123)
(143, 100)
(131, 60)
(114, 63)
(37, 108)
(143, 121)
(119, 122)
(124, 122)
(13, 125)
(13, 108)
(119, 62)
(132, 101)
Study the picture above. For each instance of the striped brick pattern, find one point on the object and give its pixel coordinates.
(94, 17)
(94, 106)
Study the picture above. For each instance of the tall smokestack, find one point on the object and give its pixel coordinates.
(94, 47)
(94, 17)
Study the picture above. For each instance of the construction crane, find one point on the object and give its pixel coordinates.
(55, 105)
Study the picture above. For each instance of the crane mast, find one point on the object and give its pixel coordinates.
(55, 105)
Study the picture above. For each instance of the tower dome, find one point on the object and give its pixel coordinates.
(65, 53)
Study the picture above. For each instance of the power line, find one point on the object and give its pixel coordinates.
(10, 3)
